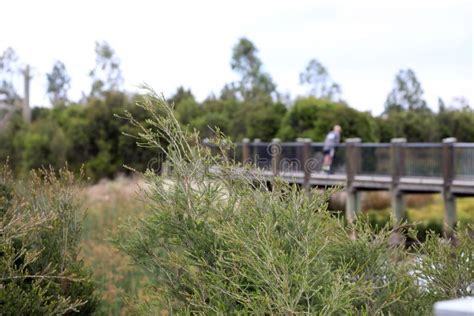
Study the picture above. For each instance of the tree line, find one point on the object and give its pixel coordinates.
(85, 132)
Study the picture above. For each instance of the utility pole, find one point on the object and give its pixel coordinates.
(26, 100)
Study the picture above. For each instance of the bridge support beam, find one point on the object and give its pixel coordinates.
(246, 152)
(352, 205)
(352, 166)
(398, 205)
(398, 167)
(450, 217)
(306, 164)
(275, 152)
(255, 152)
(299, 153)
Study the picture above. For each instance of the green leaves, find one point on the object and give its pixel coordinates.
(222, 242)
(446, 271)
(313, 118)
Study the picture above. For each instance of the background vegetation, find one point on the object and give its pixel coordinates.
(83, 131)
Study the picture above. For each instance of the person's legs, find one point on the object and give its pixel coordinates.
(327, 161)
(331, 159)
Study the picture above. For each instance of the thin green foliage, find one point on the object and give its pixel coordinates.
(40, 225)
(218, 240)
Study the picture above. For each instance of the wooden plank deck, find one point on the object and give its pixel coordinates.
(378, 182)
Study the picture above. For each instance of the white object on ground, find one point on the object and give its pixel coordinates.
(458, 307)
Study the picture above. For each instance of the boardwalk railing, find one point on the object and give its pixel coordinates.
(399, 167)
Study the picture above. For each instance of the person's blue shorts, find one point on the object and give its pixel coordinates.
(329, 152)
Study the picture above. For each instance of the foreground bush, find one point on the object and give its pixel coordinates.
(40, 226)
(217, 240)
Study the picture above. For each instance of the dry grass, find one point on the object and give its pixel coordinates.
(108, 203)
(382, 200)
(423, 208)
(435, 211)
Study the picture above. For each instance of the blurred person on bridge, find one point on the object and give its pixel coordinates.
(332, 140)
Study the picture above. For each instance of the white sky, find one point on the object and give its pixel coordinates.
(171, 43)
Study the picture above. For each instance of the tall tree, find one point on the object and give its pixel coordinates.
(229, 91)
(58, 83)
(106, 76)
(460, 103)
(185, 106)
(254, 83)
(441, 105)
(406, 94)
(322, 86)
(9, 68)
(181, 94)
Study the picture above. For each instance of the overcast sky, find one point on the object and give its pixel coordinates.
(171, 43)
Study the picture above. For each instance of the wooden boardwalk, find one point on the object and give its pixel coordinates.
(398, 167)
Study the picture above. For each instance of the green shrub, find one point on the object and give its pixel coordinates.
(43, 143)
(221, 242)
(314, 118)
(39, 234)
(81, 134)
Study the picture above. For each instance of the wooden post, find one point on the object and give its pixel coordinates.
(448, 176)
(299, 154)
(246, 151)
(26, 111)
(275, 152)
(352, 165)
(398, 166)
(305, 163)
(255, 155)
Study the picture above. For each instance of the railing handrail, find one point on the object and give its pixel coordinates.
(374, 145)
(464, 145)
(290, 144)
(422, 145)
(420, 159)
(414, 144)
